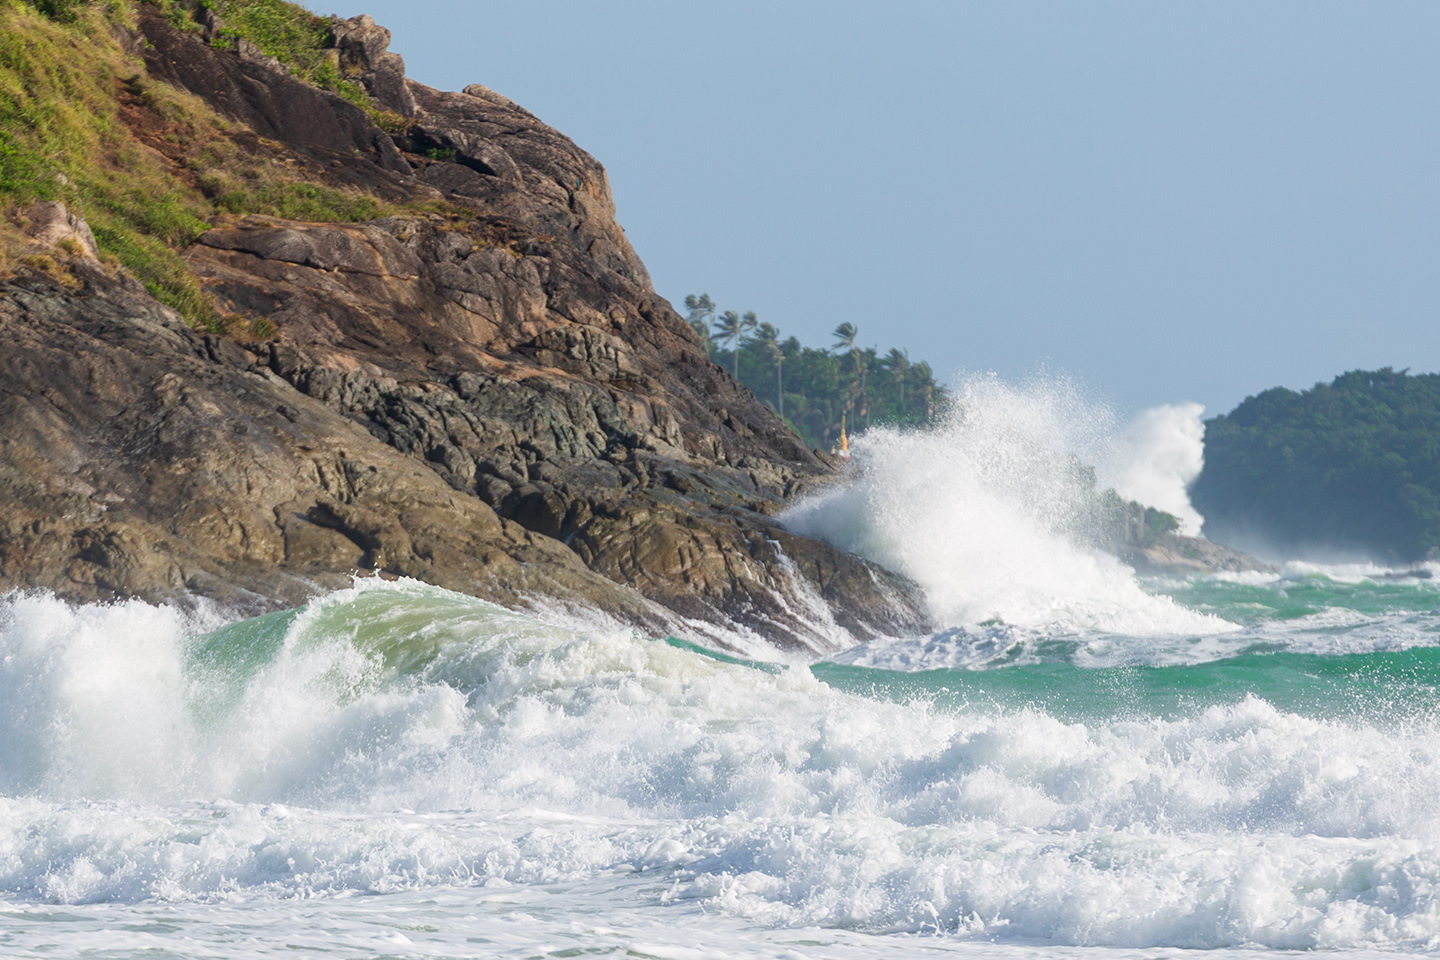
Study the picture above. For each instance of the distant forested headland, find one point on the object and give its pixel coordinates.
(1352, 466)
(813, 388)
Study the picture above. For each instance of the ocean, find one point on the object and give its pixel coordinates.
(1077, 763)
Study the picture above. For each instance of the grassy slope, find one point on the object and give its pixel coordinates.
(297, 38)
(150, 167)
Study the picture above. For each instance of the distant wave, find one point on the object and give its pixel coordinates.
(1156, 458)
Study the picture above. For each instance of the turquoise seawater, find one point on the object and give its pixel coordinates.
(395, 770)
(1311, 645)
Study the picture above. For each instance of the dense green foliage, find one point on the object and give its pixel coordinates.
(56, 9)
(1351, 466)
(812, 389)
(1121, 523)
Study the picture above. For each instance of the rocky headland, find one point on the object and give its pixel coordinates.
(481, 390)
(452, 368)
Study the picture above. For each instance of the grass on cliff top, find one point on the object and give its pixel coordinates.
(300, 40)
(150, 167)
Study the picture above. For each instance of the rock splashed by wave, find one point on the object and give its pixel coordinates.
(992, 511)
(1156, 458)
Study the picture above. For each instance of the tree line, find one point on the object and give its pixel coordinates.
(814, 389)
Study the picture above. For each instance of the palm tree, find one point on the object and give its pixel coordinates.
(897, 361)
(778, 356)
(701, 308)
(860, 370)
(926, 378)
(769, 339)
(733, 328)
(845, 335)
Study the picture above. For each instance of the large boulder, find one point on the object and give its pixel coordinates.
(364, 54)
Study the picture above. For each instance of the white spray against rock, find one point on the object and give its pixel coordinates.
(990, 510)
(1156, 458)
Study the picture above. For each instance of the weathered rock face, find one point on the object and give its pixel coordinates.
(253, 89)
(139, 458)
(363, 46)
(489, 397)
(53, 226)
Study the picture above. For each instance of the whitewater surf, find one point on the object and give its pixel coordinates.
(1078, 764)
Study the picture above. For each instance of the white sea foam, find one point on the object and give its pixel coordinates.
(1156, 458)
(398, 739)
(1327, 630)
(990, 512)
(992, 645)
(92, 699)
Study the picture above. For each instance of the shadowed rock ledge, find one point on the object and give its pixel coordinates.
(485, 393)
(1175, 555)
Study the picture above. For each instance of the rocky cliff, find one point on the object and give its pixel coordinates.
(480, 389)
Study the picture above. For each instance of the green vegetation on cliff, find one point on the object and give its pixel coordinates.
(1352, 466)
(148, 166)
(300, 40)
(812, 389)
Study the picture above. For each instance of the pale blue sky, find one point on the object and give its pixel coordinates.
(1167, 201)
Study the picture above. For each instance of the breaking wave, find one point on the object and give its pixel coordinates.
(991, 512)
(395, 737)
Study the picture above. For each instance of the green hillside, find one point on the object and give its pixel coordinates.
(1352, 466)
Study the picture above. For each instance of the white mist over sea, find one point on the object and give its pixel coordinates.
(1077, 763)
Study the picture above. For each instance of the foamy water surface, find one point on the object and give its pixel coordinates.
(397, 751)
(1077, 764)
